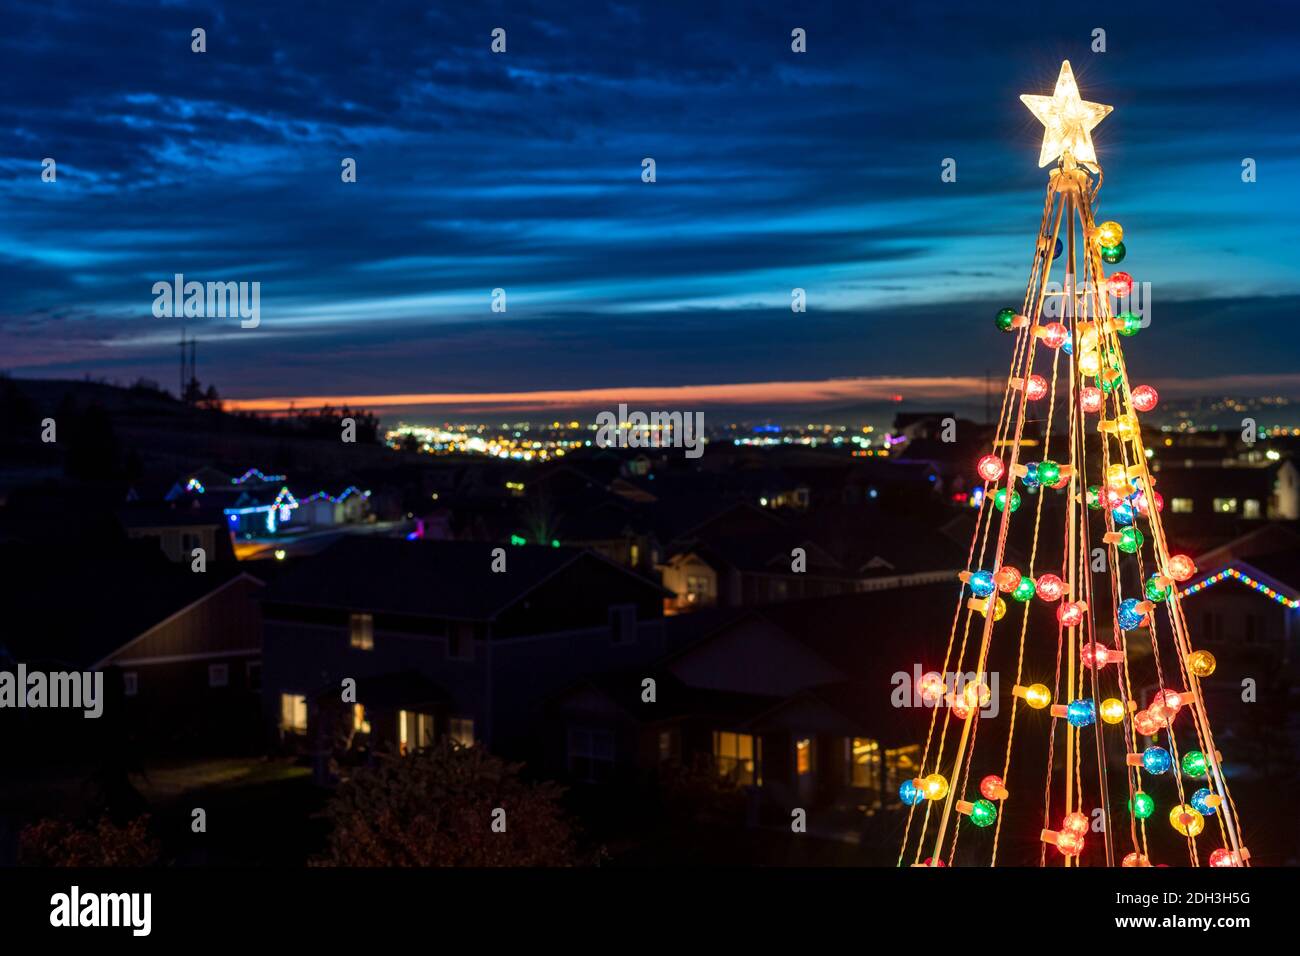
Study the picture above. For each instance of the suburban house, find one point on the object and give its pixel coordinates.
(179, 527)
(180, 650)
(443, 639)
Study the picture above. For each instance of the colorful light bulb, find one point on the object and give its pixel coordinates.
(1109, 234)
(1024, 590)
(1093, 497)
(992, 787)
(910, 793)
(1089, 363)
(1135, 859)
(1000, 500)
(1194, 763)
(1155, 592)
(1054, 335)
(1090, 399)
(1049, 472)
(1036, 388)
(1141, 806)
(1069, 843)
(930, 861)
(1113, 255)
(1132, 323)
(1130, 540)
(990, 468)
(1112, 711)
(983, 813)
(1201, 663)
(1201, 802)
(1119, 284)
(1145, 724)
(1186, 820)
(1094, 655)
(1181, 567)
(1223, 857)
(932, 687)
(1123, 513)
(1075, 823)
(1005, 319)
(1007, 579)
(1156, 760)
(1070, 613)
(936, 786)
(1145, 398)
(1081, 713)
(1050, 587)
(1130, 616)
(981, 583)
(1038, 696)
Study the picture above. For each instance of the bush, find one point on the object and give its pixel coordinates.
(59, 843)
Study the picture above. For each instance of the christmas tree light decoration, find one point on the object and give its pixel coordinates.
(1000, 500)
(931, 861)
(1068, 122)
(1074, 402)
(1120, 284)
(1112, 711)
(1205, 802)
(1156, 760)
(1186, 820)
(909, 793)
(1201, 663)
(1050, 587)
(1109, 234)
(982, 813)
(1145, 724)
(1081, 713)
(1145, 398)
(1142, 806)
(1007, 579)
(1194, 763)
(992, 787)
(981, 583)
(1223, 857)
(1036, 696)
(1070, 613)
(932, 688)
(1054, 334)
(935, 786)
(990, 468)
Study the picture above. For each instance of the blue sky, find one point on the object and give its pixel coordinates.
(523, 171)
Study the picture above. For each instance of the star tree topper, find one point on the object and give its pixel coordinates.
(1068, 121)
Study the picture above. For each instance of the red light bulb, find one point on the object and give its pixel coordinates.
(992, 786)
(1070, 614)
(1094, 655)
(1222, 857)
(1050, 587)
(1007, 578)
(1070, 844)
(1054, 335)
(1120, 284)
(1036, 388)
(1091, 399)
(1181, 567)
(1145, 724)
(1145, 398)
(990, 468)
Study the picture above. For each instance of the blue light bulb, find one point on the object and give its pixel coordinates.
(1081, 713)
(981, 583)
(910, 793)
(1129, 616)
(1156, 759)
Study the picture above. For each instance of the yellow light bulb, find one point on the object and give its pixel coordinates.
(936, 787)
(1187, 820)
(1201, 663)
(1088, 338)
(1109, 234)
(1112, 711)
(1089, 363)
(1038, 696)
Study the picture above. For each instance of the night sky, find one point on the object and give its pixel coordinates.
(523, 171)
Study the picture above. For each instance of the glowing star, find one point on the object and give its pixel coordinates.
(1068, 121)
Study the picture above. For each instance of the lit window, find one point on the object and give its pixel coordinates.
(360, 722)
(864, 762)
(736, 756)
(699, 589)
(901, 763)
(803, 756)
(362, 631)
(414, 731)
(293, 713)
(1181, 506)
(130, 684)
(218, 675)
(665, 745)
(1225, 506)
(1250, 508)
(591, 754)
(461, 730)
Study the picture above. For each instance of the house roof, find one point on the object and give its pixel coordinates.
(440, 579)
(80, 609)
(673, 699)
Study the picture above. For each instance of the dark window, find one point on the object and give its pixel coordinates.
(253, 675)
(622, 623)
(460, 642)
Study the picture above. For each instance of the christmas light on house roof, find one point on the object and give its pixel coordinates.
(1141, 766)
